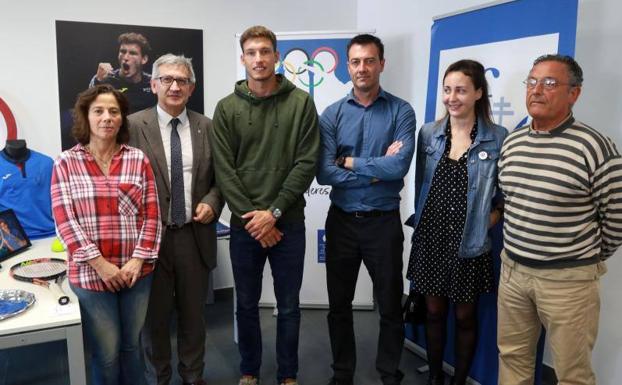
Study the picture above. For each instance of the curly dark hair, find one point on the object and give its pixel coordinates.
(81, 129)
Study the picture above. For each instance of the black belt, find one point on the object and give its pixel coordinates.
(366, 214)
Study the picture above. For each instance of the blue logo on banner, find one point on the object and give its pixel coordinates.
(502, 107)
(321, 246)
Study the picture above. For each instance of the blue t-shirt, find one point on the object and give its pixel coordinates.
(27, 192)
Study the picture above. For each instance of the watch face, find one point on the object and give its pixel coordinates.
(276, 213)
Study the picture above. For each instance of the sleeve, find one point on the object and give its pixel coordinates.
(420, 166)
(607, 193)
(223, 150)
(213, 197)
(395, 167)
(79, 246)
(498, 198)
(303, 172)
(148, 243)
(328, 172)
(94, 81)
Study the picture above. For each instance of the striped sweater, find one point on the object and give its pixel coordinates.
(563, 196)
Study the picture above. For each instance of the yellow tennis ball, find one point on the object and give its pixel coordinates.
(57, 246)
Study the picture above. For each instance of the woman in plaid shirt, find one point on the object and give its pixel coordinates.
(106, 210)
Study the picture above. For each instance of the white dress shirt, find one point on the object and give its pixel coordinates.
(183, 128)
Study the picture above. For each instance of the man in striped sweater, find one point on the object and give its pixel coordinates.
(562, 182)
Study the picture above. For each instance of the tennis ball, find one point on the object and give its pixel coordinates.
(57, 246)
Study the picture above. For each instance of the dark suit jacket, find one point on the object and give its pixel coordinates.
(145, 134)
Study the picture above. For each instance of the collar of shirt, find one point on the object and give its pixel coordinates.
(164, 118)
(484, 130)
(351, 98)
(82, 148)
(555, 131)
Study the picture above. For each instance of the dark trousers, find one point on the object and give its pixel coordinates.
(180, 282)
(378, 242)
(287, 264)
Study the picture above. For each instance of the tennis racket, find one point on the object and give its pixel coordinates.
(47, 272)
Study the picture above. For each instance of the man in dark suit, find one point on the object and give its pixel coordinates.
(176, 142)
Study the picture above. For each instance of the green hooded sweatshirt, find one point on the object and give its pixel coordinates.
(265, 150)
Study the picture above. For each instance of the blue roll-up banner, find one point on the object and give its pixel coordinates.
(505, 37)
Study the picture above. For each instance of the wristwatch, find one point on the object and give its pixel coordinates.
(341, 161)
(276, 213)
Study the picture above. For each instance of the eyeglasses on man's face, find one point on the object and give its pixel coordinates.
(168, 81)
(548, 83)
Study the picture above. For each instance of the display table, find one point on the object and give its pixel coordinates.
(45, 321)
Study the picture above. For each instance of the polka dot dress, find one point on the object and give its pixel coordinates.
(434, 264)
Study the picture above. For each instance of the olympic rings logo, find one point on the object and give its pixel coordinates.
(296, 62)
(9, 119)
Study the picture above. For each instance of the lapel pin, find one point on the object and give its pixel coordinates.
(483, 155)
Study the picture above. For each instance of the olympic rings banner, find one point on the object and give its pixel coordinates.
(316, 62)
(505, 37)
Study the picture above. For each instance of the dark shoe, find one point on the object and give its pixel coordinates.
(436, 380)
(453, 382)
(200, 381)
(334, 381)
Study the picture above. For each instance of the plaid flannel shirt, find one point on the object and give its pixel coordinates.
(115, 216)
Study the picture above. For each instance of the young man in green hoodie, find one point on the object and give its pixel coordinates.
(265, 145)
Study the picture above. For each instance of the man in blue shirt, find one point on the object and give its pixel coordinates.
(367, 144)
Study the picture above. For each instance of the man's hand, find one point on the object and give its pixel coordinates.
(261, 222)
(271, 238)
(103, 70)
(111, 275)
(203, 213)
(394, 148)
(131, 271)
(349, 163)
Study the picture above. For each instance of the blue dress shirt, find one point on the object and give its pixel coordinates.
(349, 129)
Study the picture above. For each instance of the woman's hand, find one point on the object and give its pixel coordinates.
(131, 271)
(109, 273)
(495, 216)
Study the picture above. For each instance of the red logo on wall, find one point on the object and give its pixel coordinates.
(11, 127)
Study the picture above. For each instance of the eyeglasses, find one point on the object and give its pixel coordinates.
(168, 81)
(547, 83)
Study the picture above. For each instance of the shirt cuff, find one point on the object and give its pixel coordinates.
(85, 253)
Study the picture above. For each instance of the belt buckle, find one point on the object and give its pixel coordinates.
(174, 226)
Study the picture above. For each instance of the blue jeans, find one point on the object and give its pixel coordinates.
(287, 263)
(112, 324)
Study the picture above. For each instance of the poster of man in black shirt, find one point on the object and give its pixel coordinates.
(130, 78)
(121, 55)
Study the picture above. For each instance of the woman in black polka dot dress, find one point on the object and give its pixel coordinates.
(455, 186)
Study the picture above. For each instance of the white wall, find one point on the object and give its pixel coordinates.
(404, 26)
(599, 33)
(28, 75)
